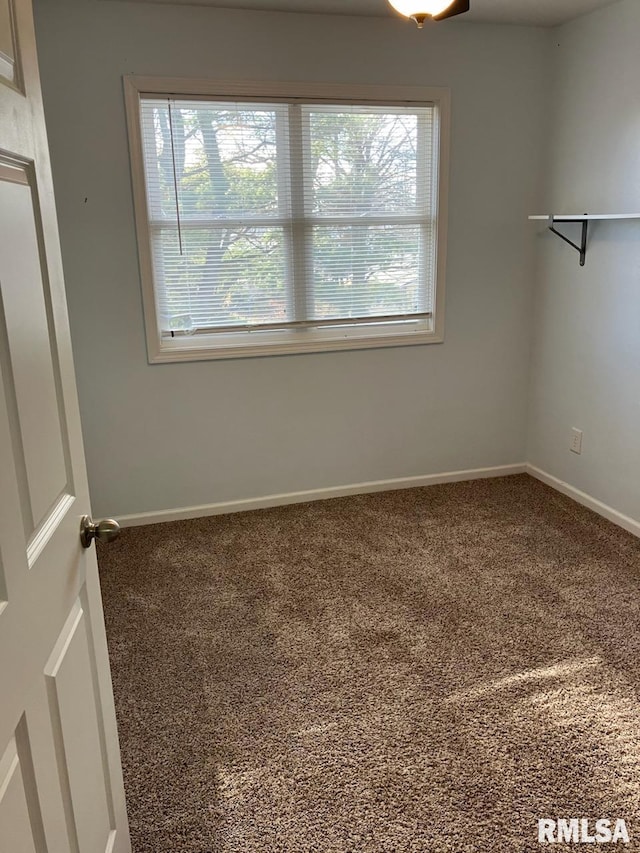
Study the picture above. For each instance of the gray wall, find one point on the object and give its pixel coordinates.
(167, 436)
(586, 362)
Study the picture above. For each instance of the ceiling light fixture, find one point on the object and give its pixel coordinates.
(437, 10)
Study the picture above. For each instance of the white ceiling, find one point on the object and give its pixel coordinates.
(537, 12)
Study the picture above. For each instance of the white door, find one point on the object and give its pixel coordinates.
(60, 778)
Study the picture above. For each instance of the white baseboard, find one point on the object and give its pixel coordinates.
(316, 495)
(583, 498)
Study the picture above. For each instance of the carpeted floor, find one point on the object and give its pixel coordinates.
(428, 670)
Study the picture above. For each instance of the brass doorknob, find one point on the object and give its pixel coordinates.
(104, 531)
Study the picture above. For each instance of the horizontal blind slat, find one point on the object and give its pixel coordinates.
(315, 324)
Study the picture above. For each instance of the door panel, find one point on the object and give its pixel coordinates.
(61, 787)
(15, 824)
(21, 825)
(78, 734)
(8, 54)
(43, 454)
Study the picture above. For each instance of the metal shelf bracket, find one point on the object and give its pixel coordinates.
(582, 248)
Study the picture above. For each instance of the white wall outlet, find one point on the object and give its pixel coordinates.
(575, 445)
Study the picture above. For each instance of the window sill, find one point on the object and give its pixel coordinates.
(203, 348)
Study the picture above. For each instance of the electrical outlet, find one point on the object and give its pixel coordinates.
(575, 445)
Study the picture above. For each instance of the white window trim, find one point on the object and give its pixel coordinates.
(203, 347)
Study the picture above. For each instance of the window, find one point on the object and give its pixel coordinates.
(288, 222)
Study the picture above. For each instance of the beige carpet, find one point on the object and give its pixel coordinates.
(426, 670)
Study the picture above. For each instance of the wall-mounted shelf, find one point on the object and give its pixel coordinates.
(584, 218)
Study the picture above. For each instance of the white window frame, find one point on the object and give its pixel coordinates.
(203, 347)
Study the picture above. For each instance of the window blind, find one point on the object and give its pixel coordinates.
(289, 215)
